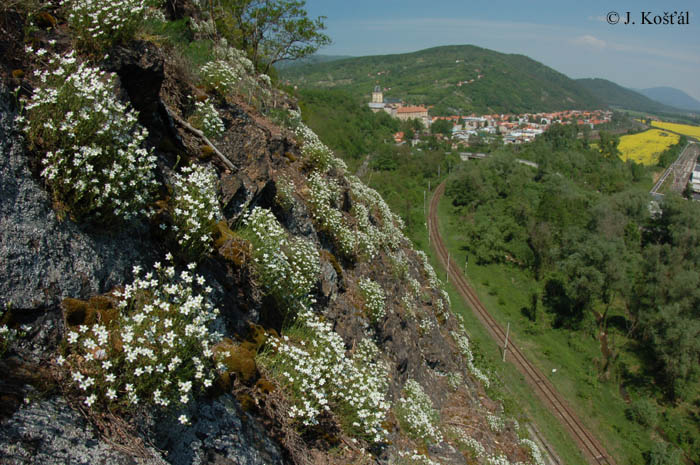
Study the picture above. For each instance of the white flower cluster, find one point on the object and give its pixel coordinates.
(400, 265)
(323, 199)
(414, 286)
(455, 380)
(220, 76)
(535, 452)
(285, 193)
(478, 450)
(265, 80)
(310, 362)
(496, 423)
(315, 151)
(409, 305)
(98, 24)
(374, 297)
(94, 161)
(412, 458)
(287, 267)
(206, 118)
(463, 344)
(426, 324)
(157, 350)
(416, 414)
(428, 268)
(388, 233)
(7, 334)
(475, 446)
(235, 57)
(204, 29)
(497, 460)
(196, 209)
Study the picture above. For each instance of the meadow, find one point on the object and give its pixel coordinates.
(685, 129)
(646, 147)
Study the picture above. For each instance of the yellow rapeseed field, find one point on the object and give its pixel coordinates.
(685, 129)
(645, 147)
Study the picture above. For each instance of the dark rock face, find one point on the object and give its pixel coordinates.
(42, 259)
(52, 433)
(221, 434)
(141, 71)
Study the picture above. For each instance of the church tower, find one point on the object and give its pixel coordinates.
(377, 96)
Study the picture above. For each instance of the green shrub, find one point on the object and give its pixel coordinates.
(663, 453)
(643, 411)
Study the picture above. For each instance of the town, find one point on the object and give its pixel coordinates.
(513, 128)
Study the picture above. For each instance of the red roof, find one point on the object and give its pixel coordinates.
(411, 110)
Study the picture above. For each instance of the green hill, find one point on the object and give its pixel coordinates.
(621, 97)
(454, 79)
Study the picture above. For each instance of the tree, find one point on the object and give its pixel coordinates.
(608, 144)
(269, 31)
(441, 126)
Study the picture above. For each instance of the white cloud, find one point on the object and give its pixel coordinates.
(590, 41)
(599, 19)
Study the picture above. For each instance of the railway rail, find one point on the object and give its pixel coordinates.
(591, 448)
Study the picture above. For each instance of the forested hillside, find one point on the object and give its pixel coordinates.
(453, 79)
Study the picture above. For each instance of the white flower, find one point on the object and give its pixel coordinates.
(89, 400)
(183, 419)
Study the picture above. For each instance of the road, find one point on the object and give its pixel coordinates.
(590, 447)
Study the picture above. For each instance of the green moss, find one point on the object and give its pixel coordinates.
(239, 359)
(231, 245)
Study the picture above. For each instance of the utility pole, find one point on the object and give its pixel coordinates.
(505, 346)
(448, 268)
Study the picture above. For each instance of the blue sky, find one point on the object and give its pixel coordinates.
(572, 37)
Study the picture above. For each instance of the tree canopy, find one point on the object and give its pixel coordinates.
(270, 31)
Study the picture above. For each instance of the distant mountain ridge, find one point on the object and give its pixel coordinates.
(672, 96)
(453, 79)
(620, 97)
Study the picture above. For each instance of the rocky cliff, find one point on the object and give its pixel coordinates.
(307, 272)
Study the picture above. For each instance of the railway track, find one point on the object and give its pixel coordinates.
(591, 448)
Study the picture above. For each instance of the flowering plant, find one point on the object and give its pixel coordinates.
(196, 209)
(310, 363)
(374, 299)
(94, 161)
(287, 267)
(206, 118)
(157, 349)
(220, 76)
(98, 25)
(416, 414)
